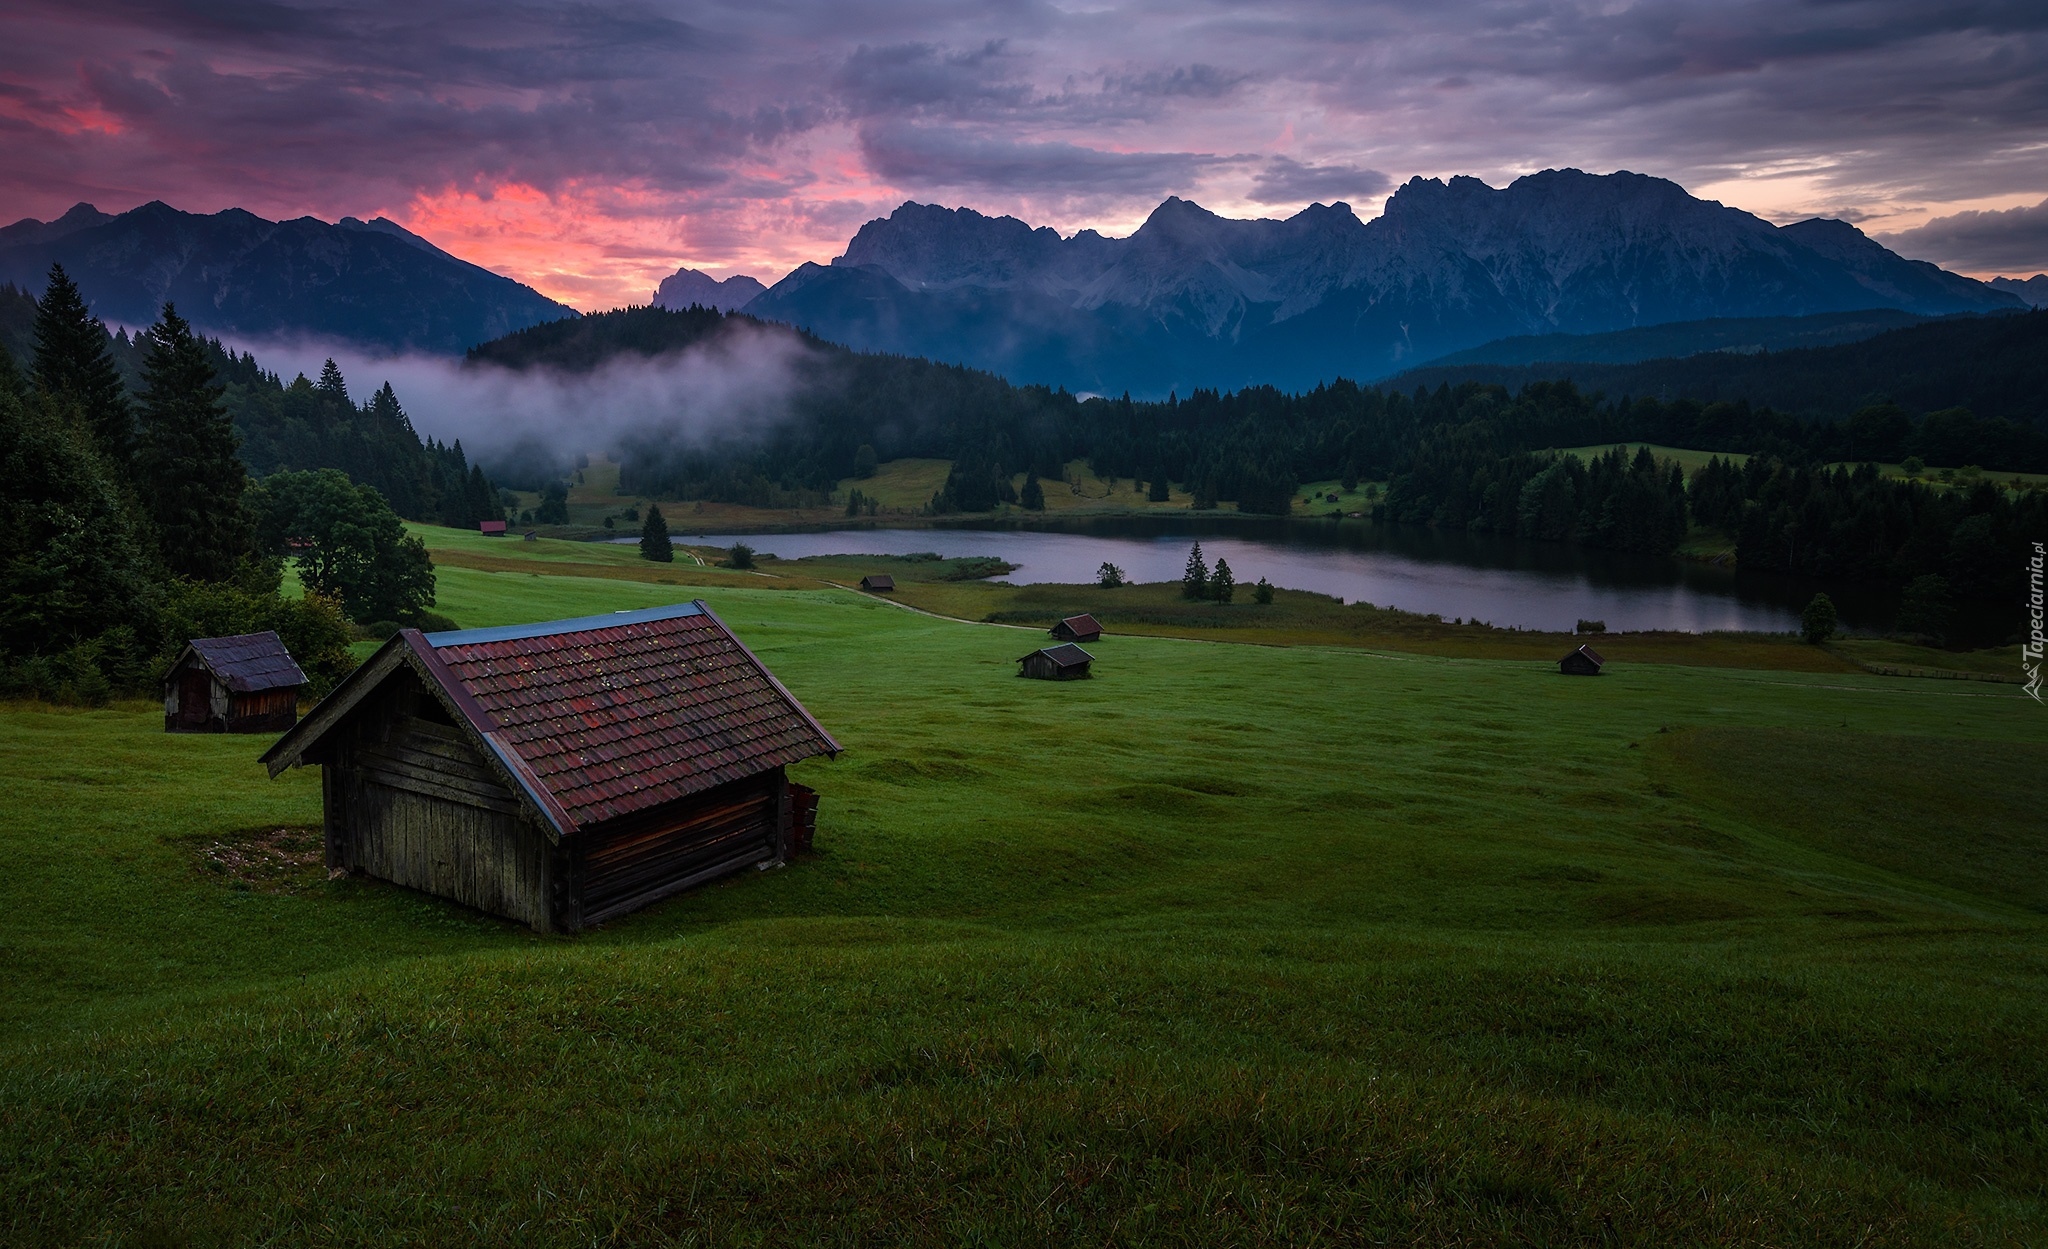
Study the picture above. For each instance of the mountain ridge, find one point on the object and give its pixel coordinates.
(1195, 299)
(374, 284)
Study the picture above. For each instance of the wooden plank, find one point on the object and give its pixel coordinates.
(426, 767)
(453, 788)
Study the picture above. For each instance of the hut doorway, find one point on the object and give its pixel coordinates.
(195, 697)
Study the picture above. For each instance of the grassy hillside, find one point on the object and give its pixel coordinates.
(1233, 944)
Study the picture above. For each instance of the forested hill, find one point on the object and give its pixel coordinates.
(1996, 366)
(1250, 446)
(307, 424)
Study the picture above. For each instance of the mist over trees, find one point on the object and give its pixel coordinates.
(1473, 456)
(129, 522)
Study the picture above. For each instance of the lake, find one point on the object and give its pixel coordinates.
(1502, 581)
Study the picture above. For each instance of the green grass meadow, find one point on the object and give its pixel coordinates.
(1231, 945)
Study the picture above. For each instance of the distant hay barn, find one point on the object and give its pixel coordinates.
(1583, 662)
(1056, 663)
(247, 683)
(878, 583)
(1081, 628)
(564, 773)
(491, 528)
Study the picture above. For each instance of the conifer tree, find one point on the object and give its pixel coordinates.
(331, 382)
(1033, 497)
(73, 365)
(1160, 490)
(1194, 582)
(186, 469)
(12, 383)
(1222, 584)
(654, 543)
(71, 565)
(483, 499)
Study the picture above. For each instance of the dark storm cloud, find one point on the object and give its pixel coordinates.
(2014, 241)
(787, 120)
(1285, 181)
(921, 156)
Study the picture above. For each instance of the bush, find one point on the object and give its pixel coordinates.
(1590, 626)
(382, 629)
(739, 556)
(1262, 593)
(1109, 576)
(1817, 622)
(434, 622)
(1913, 466)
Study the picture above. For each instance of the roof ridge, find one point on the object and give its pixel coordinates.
(549, 628)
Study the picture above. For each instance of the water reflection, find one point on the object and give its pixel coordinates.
(1504, 581)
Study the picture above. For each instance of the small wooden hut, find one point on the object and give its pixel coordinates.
(878, 583)
(1583, 662)
(491, 528)
(1081, 628)
(561, 774)
(248, 683)
(1056, 663)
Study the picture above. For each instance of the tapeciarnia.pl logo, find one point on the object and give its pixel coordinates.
(2030, 653)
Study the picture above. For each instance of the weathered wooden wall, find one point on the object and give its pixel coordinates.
(631, 862)
(410, 801)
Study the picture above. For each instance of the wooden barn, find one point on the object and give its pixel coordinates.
(878, 582)
(491, 528)
(1583, 662)
(248, 683)
(561, 774)
(1081, 628)
(1056, 663)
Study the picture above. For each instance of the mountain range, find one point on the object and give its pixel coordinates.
(1193, 299)
(685, 287)
(2034, 289)
(371, 283)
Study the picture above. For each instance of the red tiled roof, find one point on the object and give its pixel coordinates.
(615, 718)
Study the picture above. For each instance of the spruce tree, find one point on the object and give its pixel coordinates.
(71, 564)
(331, 383)
(1194, 582)
(1222, 584)
(654, 543)
(1160, 491)
(12, 383)
(186, 469)
(1033, 497)
(73, 365)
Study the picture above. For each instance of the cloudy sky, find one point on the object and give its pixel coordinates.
(589, 148)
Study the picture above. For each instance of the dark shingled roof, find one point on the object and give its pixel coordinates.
(1593, 655)
(1083, 623)
(1062, 656)
(615, 714)
(248, 662)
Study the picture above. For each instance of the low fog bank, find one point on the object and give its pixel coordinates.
(522, 425)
